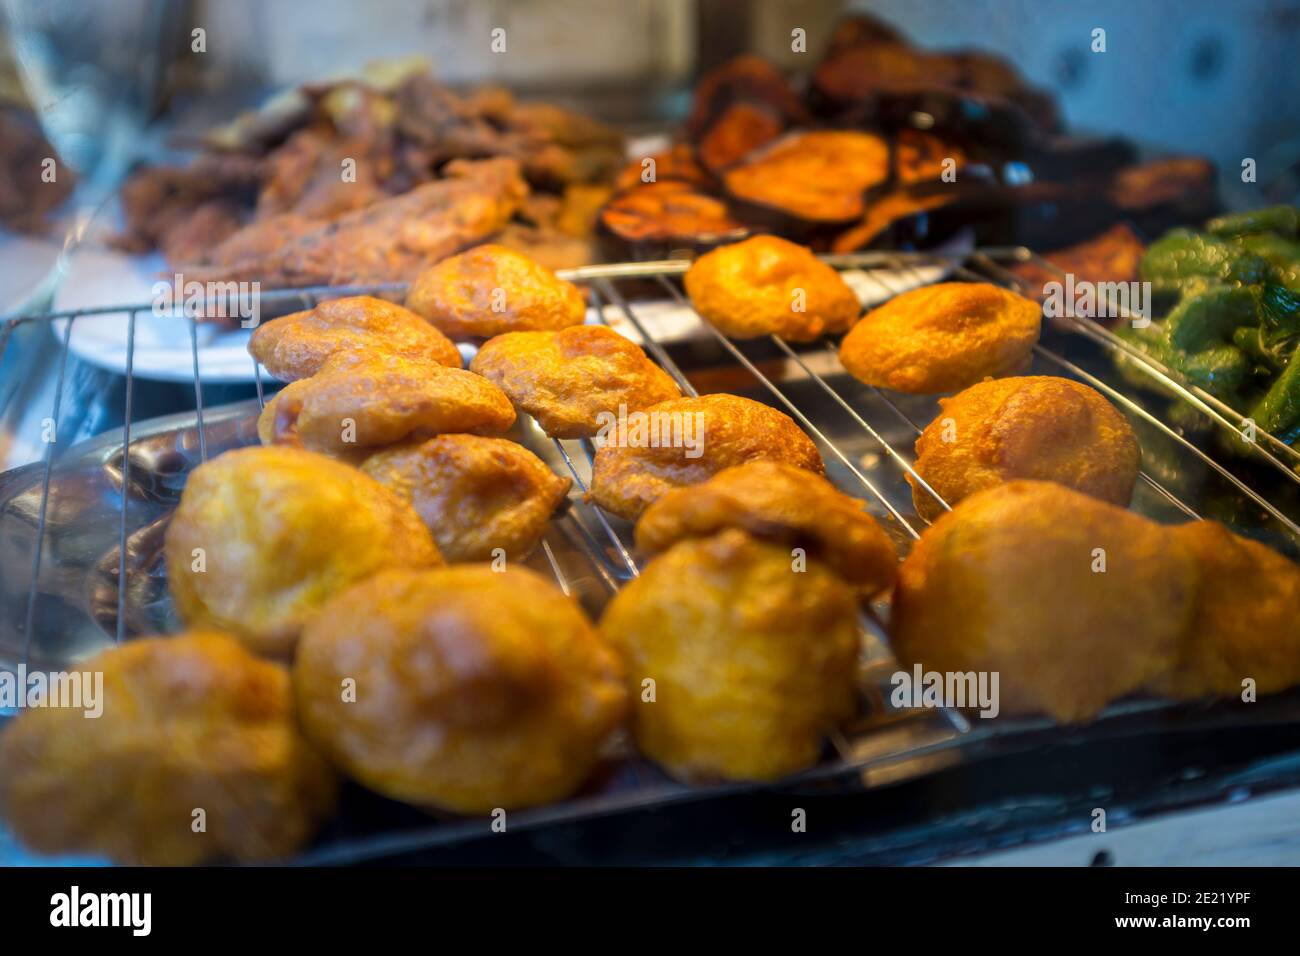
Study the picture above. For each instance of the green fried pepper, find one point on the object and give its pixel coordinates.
(1199, 321)
(1182, 258)
(1235, 327)
(1280, 220)
(1282, 254)
(1221, 370)
(1278, 412)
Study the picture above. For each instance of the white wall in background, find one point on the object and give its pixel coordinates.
(561, 40)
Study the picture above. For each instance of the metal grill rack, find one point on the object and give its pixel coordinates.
(864, 433)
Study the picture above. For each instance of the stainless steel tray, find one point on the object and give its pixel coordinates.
(68, 524)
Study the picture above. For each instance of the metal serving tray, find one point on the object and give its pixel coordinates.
(69, 523)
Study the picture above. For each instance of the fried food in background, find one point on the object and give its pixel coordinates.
(781, 503)
(1037, 427)
(390, 240)
(769, 286)
(297, 346)
(869, 58)
(490, 290)
(477, 689)
(738, 107)
(942, 338)
(705, 435)
(670, 211)
(921, 157)
(748, 80)
(475, 494)
(737, 132)
(27, 196)
(366, 401)
(568, 379)
(1112, 256)
(1245, 624)
(1167, 192)
(264, 536)
(192, 720)
(757, 155)
(816, 176)
(888, 211)
(675, 164)
(1011, 581)
(400, 126)
(753, 663)
(557, 231)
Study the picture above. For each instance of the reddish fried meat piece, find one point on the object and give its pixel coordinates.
(1112, 256)
(1176, 180)
(306, 176)
(160, 204)
(388, 241)
(746, 79)
(740, 130)
(676, 163)
(666, 211)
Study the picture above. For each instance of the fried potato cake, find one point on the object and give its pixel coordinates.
(769, 286)
(942, 338)
(683, 441)
(777, 502)
(475, 494)
(298, 345)
(814, 176)
(1245, 625)
(366, 402)
(189, 721)
(264, 536)
(753, 663)
(1039, 427)
(476, 689)
(572, 380)
(491, 289)
(1073, 602)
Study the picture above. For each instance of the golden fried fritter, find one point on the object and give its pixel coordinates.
(367, 402)
(490, 290)
(475, 494)
(475, 689)
(753, 662)
(768, 286)
(1039, 427)
(942, 338)
(298, 345)
(264, 536)
(1071, 601)
(191, 722)
(568, 380)
(1245, 624)
(777, 502)
(683, 441)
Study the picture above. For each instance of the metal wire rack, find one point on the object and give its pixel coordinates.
(863, 432)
